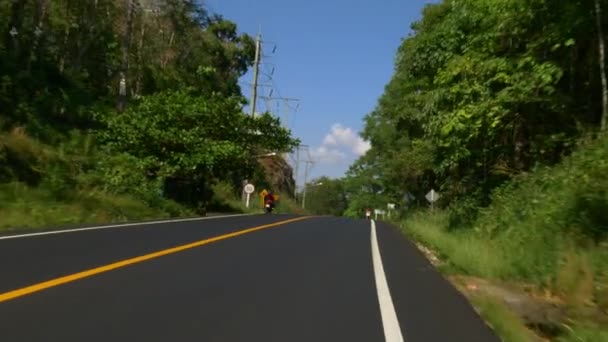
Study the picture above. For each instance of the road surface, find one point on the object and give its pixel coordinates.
(243, 278)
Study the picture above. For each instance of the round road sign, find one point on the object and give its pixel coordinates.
(249, 188)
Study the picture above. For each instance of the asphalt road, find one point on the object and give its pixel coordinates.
(246, 278)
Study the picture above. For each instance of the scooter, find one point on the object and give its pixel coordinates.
(268, 207)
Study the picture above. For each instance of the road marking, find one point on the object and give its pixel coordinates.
(390, 323)
(117, 226)
(91, 272)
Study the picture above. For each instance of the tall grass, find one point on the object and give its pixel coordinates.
(548, 228)
(463, 252)
(503, 321)
(287, 205)
(579, 276)
(583, 332)
(22, 206)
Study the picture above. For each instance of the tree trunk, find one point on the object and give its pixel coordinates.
(124, 67)
(16, 21)
(600, 35)
(41, 16)
(67, 32)
(519, 143)
(140, 48)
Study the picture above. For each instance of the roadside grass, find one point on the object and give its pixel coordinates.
(47, 187)
(578, 275)
(583, 332)
(462, 252)
(287, 205)
(24, 207)
(506, 324)
(227, 200)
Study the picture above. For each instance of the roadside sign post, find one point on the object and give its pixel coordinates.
(379, 212)
(432, 196)
(249, 189)
(391, 208)
(262, 196)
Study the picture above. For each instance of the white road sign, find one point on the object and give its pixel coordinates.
(432, 196)
(249, 188)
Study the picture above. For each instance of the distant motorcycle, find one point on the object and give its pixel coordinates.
(368, 214)
(268, 206)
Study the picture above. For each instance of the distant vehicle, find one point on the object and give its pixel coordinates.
(268, 207)
(269, 202)
(368, 214)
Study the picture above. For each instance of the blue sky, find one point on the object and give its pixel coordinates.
(336, 56)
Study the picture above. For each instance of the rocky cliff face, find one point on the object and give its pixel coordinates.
(278, 173)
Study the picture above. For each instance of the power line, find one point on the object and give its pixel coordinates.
(286, 101)
(260, 63)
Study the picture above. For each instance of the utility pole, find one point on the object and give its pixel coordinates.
(297, 167)
(256, 70)
(308, 162)
(295, 177)
(602, 62)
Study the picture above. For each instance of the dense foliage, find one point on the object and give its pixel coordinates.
(150, 87)
(483, 90)
(326, 196)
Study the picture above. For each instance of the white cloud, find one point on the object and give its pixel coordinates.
(340, 147)
(341, 144)
(345, 137)
(325, 154)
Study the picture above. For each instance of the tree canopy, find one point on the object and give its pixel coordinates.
(483, 90)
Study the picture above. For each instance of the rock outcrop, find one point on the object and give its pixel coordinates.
(279, 174)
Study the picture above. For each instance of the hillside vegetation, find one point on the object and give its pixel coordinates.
(109, 112)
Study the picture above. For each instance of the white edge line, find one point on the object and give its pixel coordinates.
(390, 323)
(64, 231)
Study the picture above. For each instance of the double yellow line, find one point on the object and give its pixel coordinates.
(106, 268)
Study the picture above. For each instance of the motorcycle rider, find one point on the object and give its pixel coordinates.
(269, 199)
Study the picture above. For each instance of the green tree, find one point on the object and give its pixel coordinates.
(187, 142)
(326, 196)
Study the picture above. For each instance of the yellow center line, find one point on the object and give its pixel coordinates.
(91, 272)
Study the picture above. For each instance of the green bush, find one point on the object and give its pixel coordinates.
(73, 183)
(537, 215)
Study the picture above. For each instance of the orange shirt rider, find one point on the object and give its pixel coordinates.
(269, 198)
